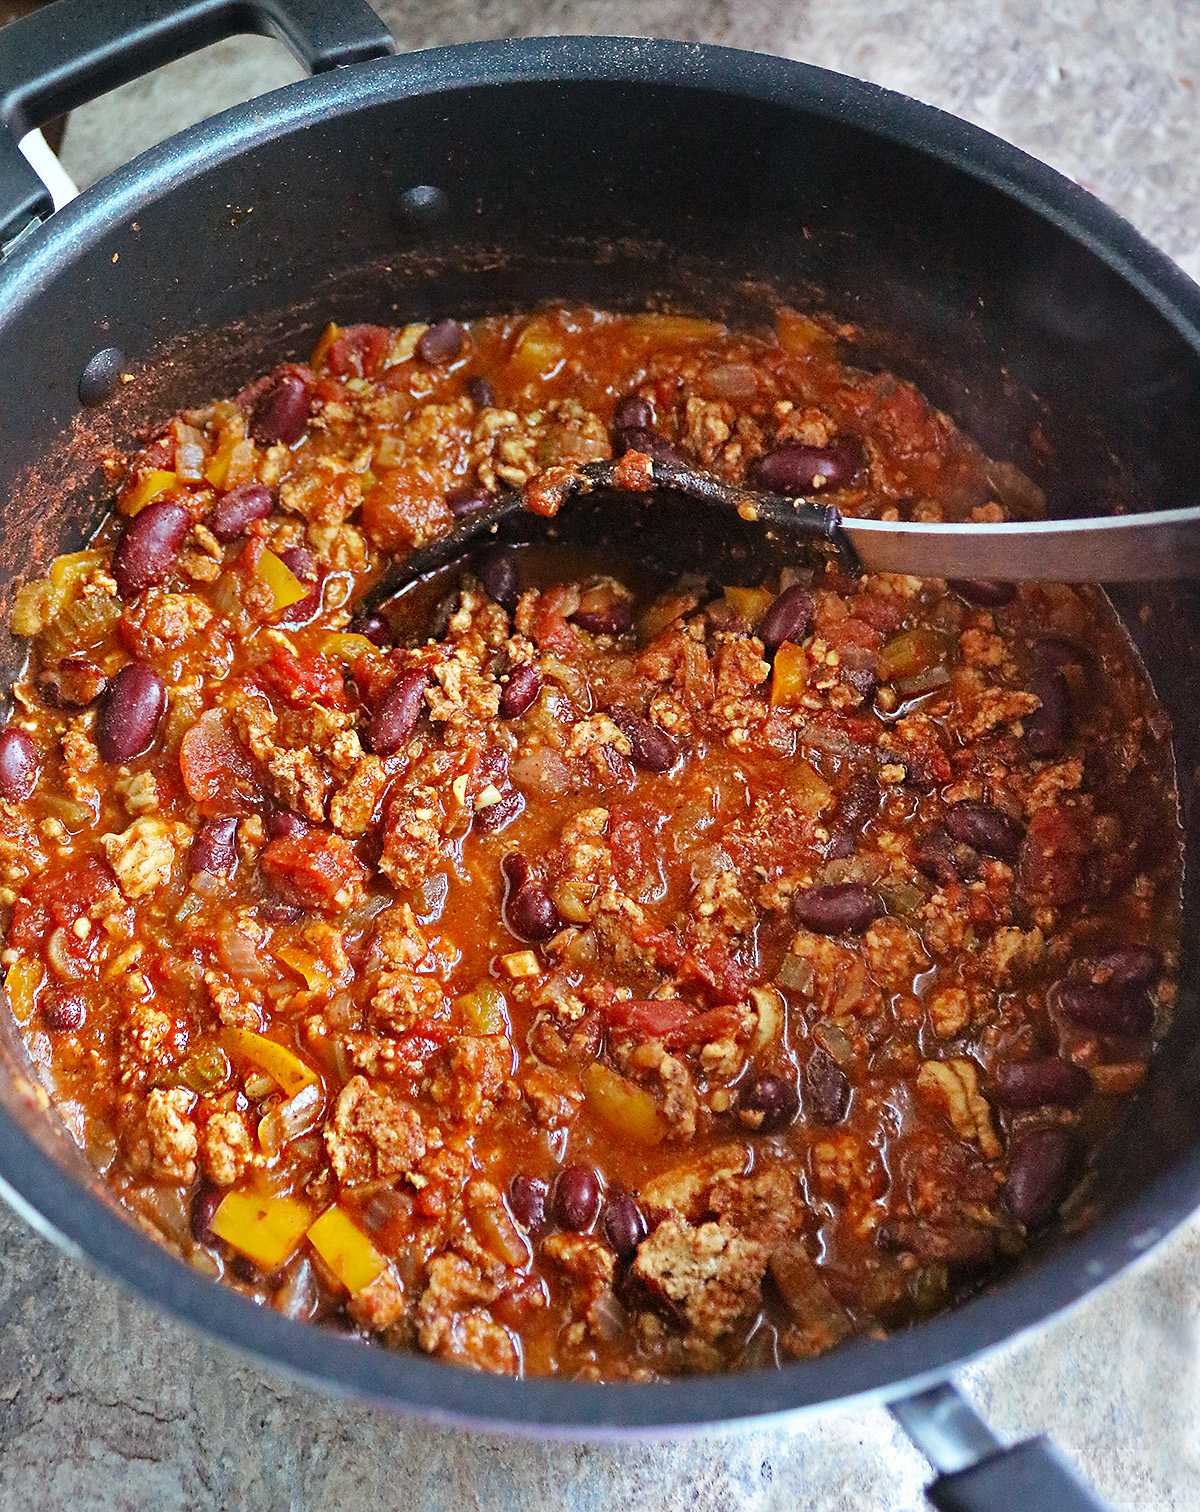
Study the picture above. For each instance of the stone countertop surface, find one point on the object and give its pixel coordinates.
(107, 1405)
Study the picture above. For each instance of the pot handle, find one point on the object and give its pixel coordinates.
(977, 1474)
(76, 50)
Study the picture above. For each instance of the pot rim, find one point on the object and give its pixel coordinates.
(85, 1225)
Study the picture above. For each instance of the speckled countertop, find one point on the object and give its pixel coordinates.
(105, 1404)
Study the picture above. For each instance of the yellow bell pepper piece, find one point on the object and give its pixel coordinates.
(345, 1249)
(146, 489)
(285, 586)
(347, 647)
(521, 963)
(310, 967)
(800, 337)
(677, 327)
(537, 353)
(282, 1065)
(627, 1109)
(485, 1008)
(21, 982)
(789, 680)
(750, 603)
(264, 1229)
(321, 351)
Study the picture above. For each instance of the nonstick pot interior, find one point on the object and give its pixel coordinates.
(627, 175)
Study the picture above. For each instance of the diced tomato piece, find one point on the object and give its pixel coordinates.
(549, 630)
(315, 870)
(882, 613)
(358, 351)
(218, 771)
(406, 508)
(673, 1021)
(304, 680)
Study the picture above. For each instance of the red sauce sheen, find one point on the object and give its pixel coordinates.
(605, 973)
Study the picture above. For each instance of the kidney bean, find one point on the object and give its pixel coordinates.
(1127, 965)
(74, 684)
(843, 908)
(986, 593)
(624, 1223)
(1034, 1083)
(860, 802)
(515, 870)
(148, 547)
(944, 859)
(467, 499)
(530, 913)
(397, 713)
(769, 1104)
(605, 613)
(527, 1202)
(1109, 1007)
(1054, 652)
(277, 910)
(281, 413)
(65, 1012)
(374, 627)
(633, 413)
(300, 563)
(213, 848)
(496, 816)
(796, 469)
(843, 842)
(985, 829)
(128, 717)
(498, 573)
(18, 765)
(239, 508)
(576, 1197)
(480, 392)
(828, 1087)
(204, 1209)
(518, 693)
(1047, 728)
(442, 342)
(1041, 1169)
(787, 618)
(650, 444)
(282, 822)
(650, 748)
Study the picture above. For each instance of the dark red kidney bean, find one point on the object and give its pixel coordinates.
(18, 765)
(239, 508)
(281, 413)
(467, 499)
(650, 444)
(74, 684)
(624, 1223)
(300, 563)
(277, 910)
(775, 1099)
(148, 547)
(128, 717)
(1041, 1170)
(1047, 728)
(1109, 1008)
(518, 693)
(1053, 652)
(843, 842)
(633, 413)
(1034, 1083)
(282, 822)
(530, 913)
(843, 908)
(650, 748)
(480, 392)
(515, 870)
(442, 342)
(828, 1087)
(611, 618)
(787, 618)
(396, 716)
(204, 1209)
(985, 829)
(944, 859)
(797, 469)
(1126, 965)
(374, 627)
(860, 802)
(497, 816)
(527, 1196)
(65, 1012)
(213, 848)
(985, 593)
(576, 1197)
(498, 573)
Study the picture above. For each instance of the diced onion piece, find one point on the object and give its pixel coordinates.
(769, 1005)
(282, 1065)
(291, 1119)
(521, 963)
(146, 490)
(911, 652)
(750, 603)
(485, 1009)
(345, 1249)
(676, 327)
(264, 1229)
(286, 588)
(789, 676)
(627, 1109)
(537, 353)
(21, 982)
(498, 1233)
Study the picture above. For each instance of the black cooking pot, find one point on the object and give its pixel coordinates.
(625, 174)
